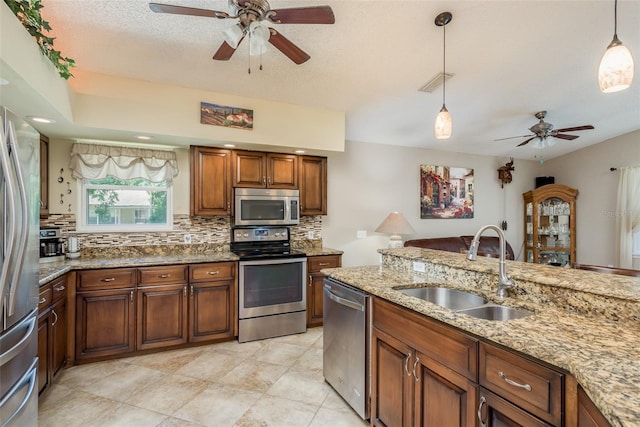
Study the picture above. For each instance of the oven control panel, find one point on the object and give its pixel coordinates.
(260, 234)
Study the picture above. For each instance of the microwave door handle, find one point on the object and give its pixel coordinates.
(23, 238)
(10, 215)
(287, 209)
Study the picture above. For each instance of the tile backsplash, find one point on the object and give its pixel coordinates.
(203, 230)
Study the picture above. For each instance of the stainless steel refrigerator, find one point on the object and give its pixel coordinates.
(19, 224)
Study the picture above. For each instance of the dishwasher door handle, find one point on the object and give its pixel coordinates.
(343, 301)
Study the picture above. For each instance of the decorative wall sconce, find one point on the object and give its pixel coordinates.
(504, 173)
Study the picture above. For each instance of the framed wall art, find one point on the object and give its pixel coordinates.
(446, 192)
(222, 115)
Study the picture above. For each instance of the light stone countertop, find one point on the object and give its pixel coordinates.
(585, 323)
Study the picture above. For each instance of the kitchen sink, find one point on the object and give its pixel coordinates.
(445, 297)
(495, 312)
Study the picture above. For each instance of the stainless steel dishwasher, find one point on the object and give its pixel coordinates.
(345, 343)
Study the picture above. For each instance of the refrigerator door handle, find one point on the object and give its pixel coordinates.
(23, 239)
(10, 225)
(20, 345)
(29, 378)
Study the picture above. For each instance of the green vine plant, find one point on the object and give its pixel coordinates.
(28, 13)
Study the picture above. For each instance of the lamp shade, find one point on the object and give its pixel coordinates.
(233, 35)
(395, 223)
(443, 124)
(258, 36)
(616, 68)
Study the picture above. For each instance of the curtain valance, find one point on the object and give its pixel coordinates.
(93, 161)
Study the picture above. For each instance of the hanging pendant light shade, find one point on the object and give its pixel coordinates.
(444, 125)
(616, 68)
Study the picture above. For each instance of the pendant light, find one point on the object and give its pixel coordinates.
(443, 124)
(616, 68)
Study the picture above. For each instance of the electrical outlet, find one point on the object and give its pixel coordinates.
(420, 267)
(361, 234)
(309, 234)
(187, 239)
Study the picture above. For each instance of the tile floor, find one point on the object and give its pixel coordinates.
(276, 383)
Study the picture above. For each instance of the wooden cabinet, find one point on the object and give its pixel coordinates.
(315, 282)
(52, 331)
(44, 176)
(422, 373)
(550, 225)
(495, 411)
(588, 414)
(254, 169)
(211, 189)
(313, 185)
(162, 307)
(212, 301)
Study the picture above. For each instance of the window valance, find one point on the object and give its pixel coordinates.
(93, 161)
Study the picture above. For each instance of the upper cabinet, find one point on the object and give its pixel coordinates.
(211, 190)
(550, 225)
(313, 185)
(44, 176)
(254, 169)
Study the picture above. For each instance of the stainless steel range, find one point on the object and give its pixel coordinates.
(272, 282)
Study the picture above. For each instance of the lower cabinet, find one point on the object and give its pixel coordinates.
(52, 331)
(315, 282)
(588, 414)
(495, 411)
(162, 316)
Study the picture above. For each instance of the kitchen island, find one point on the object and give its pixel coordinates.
(585, 323)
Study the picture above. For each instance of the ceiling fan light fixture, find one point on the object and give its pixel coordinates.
(443, 125)
(616, 68)
(258, 37)
(233, 35)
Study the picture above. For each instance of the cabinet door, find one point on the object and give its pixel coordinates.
(210, 181)
(493, 411)
(162, 316)
(249, 169)
(105, 323)
(211, 312)
(442, 396)
(315, 283)
(392, 382)
(588, 414)
(282, 171)
(59, 335)
(313, 185)
(44, 176)
(44, 351)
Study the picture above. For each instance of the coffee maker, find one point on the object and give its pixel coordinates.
(51, 244)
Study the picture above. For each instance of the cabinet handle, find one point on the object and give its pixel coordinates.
(213, 273)
(56, 317)
(42, 301)
(108, 279)
(184, 290)
(406, 364)
(310, 280)
(264, 180)
(513, 383)
(323, 264)
(191, 290)
(131, 297)
(482, 402)
(414, 369)
(59, 288)
(228, 206)
(164, 276)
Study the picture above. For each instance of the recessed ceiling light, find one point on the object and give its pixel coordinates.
(144, 137)
(40, 119)
(3, 82)
(300, 151)
(229, 145)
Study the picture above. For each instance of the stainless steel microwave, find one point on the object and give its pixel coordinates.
(265, 206)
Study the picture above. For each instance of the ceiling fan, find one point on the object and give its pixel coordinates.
(544, 130)
(253, 16)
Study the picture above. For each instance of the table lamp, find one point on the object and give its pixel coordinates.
(395, 224)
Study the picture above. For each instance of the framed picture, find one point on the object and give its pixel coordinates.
(446, 192)
(222, 115)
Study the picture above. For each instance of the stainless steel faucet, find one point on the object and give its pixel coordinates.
(504, 281)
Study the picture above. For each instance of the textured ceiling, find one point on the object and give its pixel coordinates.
(509, 60)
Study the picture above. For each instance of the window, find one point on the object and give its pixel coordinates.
(111, 204)
(636, 243)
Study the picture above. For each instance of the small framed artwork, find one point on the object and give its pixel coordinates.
(446, 192)
(222, 115)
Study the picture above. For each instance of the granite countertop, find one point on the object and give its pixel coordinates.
(601, 352)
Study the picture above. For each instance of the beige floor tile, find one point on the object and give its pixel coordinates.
(211, 365)
(243, 350)
(168, 361)
(302, 385)
(168, 394)
(306, 339)
(277, 412)
(79, 409)
(280, 353)
(311, 359)
(126, 415)
(254, 375)
(218, 406)
(318, 342)
(126, 382)
(336, 402)
(83, 376)
(54, 397)
(177, 422)
(332, 418)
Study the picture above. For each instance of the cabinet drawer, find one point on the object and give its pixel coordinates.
(212, 271)
(111, 278)
(59, 288)
(171, 274)
(317, 263)
(526, 383)
(45, 298)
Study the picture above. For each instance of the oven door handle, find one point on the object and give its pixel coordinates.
(343, 301)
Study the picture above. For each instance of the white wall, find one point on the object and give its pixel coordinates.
(588, 171)
(368, 181)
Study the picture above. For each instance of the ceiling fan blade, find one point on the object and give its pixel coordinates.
(513, 137)
(285, 46)
(225, 51)
(526, 142)
(303, 15)
(586, 127)
(562, 136)
(182, 10)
